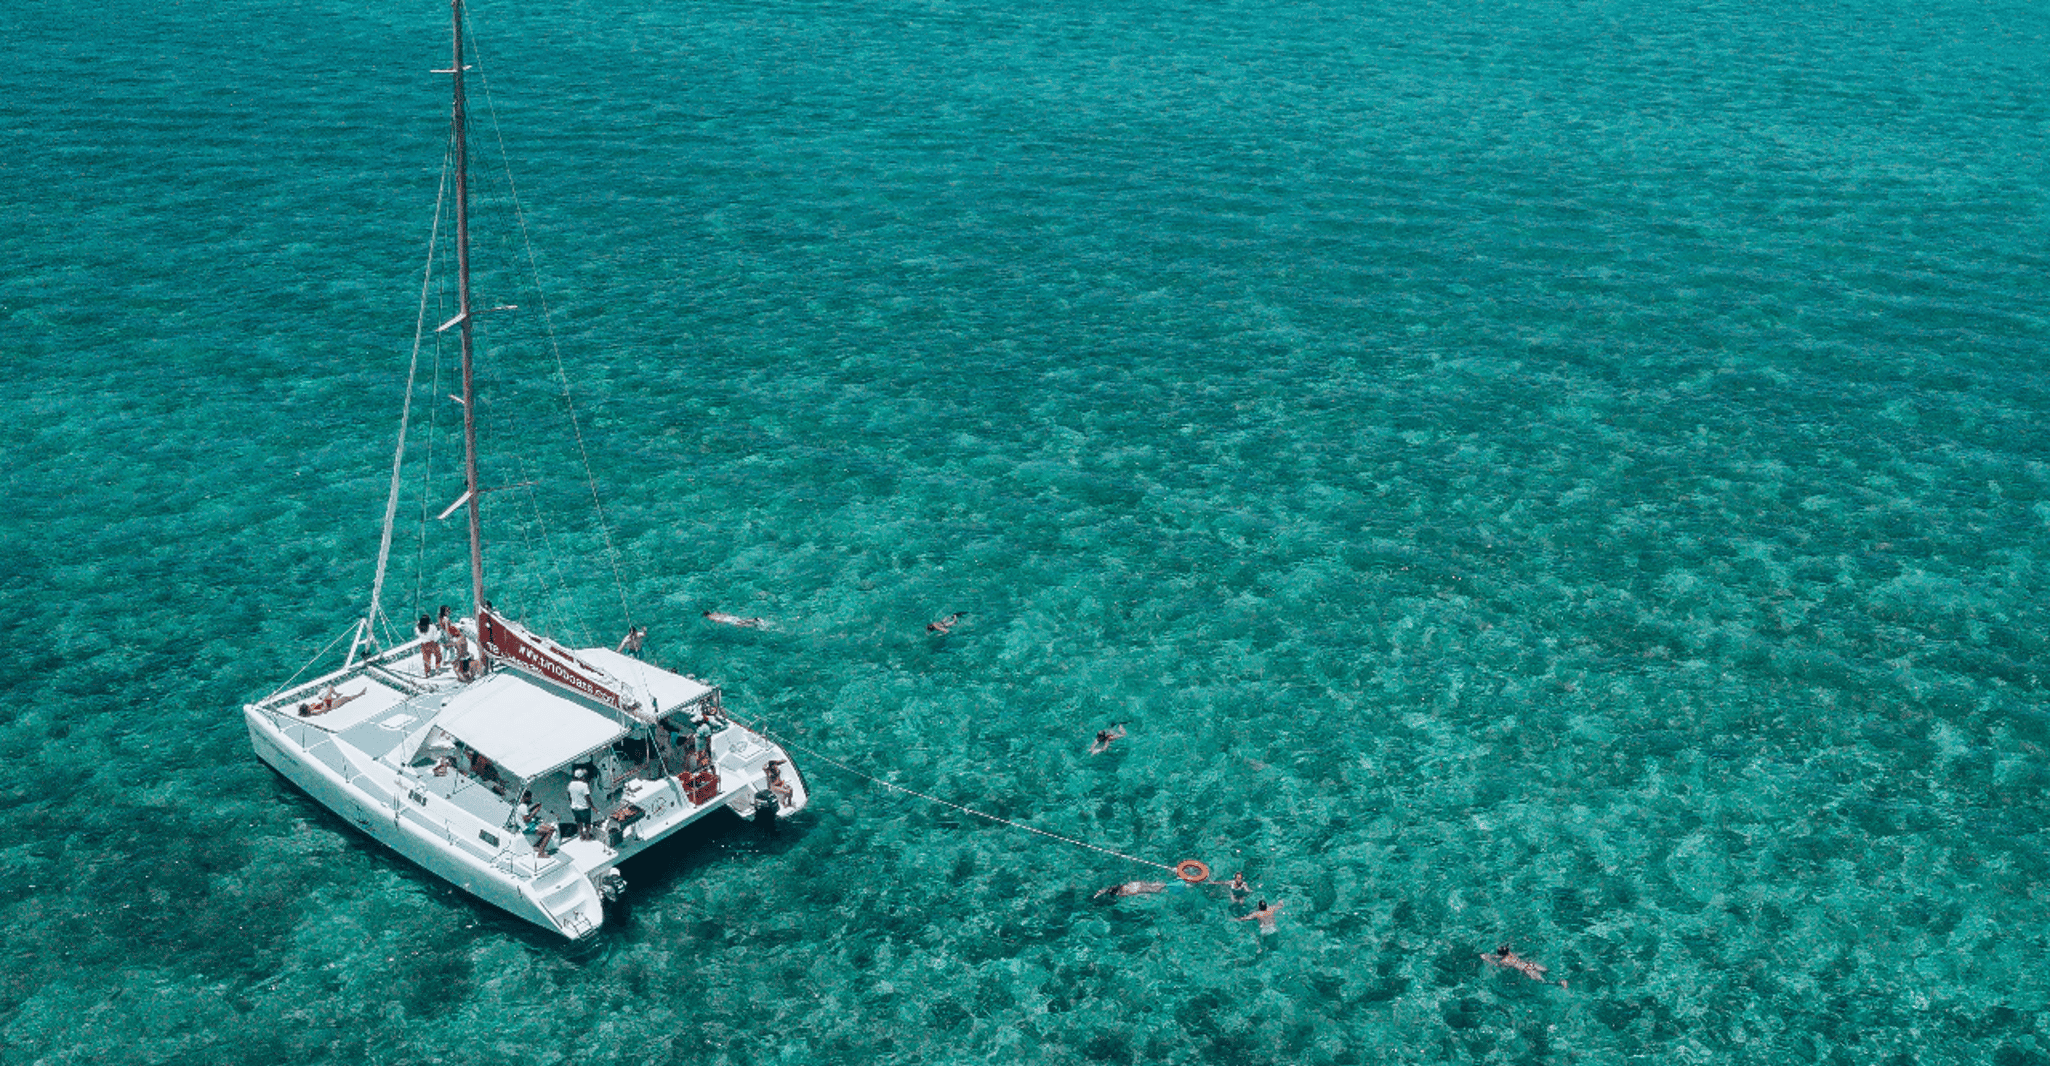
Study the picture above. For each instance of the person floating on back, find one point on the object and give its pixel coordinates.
(725, 619)
(1264, 914)
(1131, 888)
(1509, 960)
(1104, 737)
(945, 625)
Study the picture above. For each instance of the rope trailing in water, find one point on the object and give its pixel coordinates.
(965, 810)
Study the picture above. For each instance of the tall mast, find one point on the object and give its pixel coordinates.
(462, 153)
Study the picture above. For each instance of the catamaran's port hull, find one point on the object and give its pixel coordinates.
(377, 814)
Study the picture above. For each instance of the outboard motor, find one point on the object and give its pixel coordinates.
(766, 806)
(612, 885)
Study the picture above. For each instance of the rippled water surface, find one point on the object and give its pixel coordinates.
(1564, 474)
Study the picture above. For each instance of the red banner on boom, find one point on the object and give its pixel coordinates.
(512, 644)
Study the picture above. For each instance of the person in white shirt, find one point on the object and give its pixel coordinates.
(580, 803)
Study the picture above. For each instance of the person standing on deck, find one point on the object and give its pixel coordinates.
(580, 804)
(430, 649)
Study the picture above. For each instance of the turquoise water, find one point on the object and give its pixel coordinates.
(1566, 474)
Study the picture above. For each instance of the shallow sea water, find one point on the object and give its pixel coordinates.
(1566, 474)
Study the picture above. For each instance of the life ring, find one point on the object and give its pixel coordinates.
(1192, 871)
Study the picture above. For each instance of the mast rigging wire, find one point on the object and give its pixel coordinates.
(554, 346)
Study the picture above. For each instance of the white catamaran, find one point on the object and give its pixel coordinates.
(525, 776)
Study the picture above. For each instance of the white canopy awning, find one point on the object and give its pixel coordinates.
(656, 686)
(523, 727)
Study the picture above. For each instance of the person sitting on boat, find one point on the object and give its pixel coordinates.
(465, 662)
(580, 802)
(777, 785)
(1104, 737)
(635, 636)
(481, 766)
(528, 814)
(1131, 888)
(945, 625)
(430, 648)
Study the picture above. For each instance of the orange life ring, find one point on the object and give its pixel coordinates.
(1192, 871)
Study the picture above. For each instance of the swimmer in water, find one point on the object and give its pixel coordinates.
(725, 619)
(1104, 738)
(1131, 888)
(1510, 960)
(1264, 914)
(1239, 888)
(945, 625)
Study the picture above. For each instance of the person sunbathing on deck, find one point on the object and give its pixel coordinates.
(725, 619)
(328, 701)
(1104, 737)
(1510, 960)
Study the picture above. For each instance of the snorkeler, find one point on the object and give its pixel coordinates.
(1264, 914)
(1104, 738)
(1510, 960)
(725, 619)
(1131, 888)
(945, 625)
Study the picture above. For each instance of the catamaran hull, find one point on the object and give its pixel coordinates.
(380, 812)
